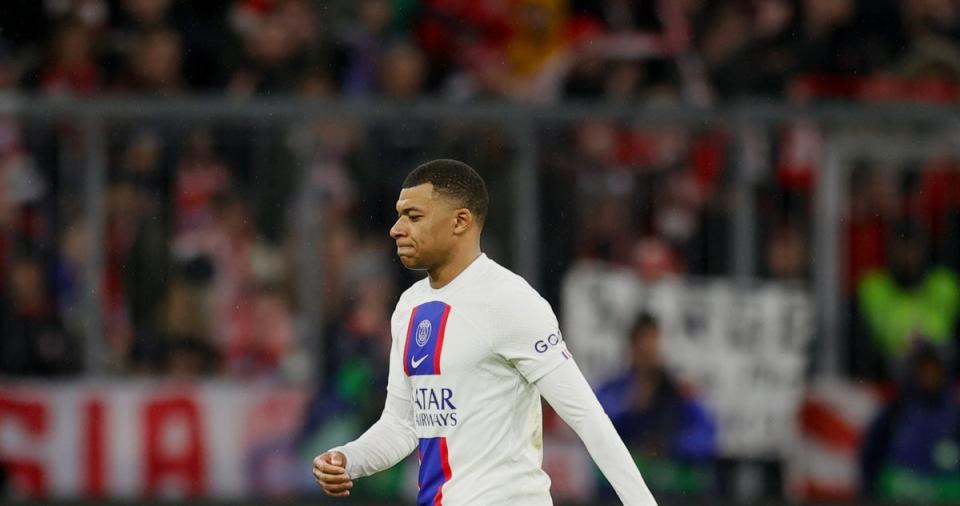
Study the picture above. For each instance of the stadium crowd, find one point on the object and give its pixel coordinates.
(529, 50)
(200, 225)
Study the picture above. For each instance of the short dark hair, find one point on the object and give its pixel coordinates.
(643, 321)
(453, 179)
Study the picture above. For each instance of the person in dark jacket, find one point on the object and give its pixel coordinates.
(910, 451)
(664, 426)
(33, 341)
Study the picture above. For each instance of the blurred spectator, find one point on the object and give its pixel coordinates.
(935, 200)
(932, 18)
(910, 451)
(665, 427)
(201, 177)
(70, 274)
(520, 49)
(72, 67)
(455, 32)
(247, 297)
(910, 300)
(402, 73)
(754, 60)
(676, 212)
(186, 308)
(874, 203)
(228, 246)
(200, 28)
(266, 338)
(537, 47)
(587, 76)
(282, 47)
(623, 82)
(787, 253)
(23, 184)
(834, 41)
(317, 40)
(147, 13)
(33, 341)
(725, 38)
(155, 63)
(519, 53)
(602, 187)
(23, 191)
(366, 41)
(270, 64)
(363, 328)
(602, 235)
(137, 255)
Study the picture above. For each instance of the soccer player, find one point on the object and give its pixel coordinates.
(474, 349)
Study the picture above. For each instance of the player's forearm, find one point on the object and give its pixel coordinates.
(385, 443)
(613, 459)
(570, 395)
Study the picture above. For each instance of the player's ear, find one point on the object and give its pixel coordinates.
(464, 220)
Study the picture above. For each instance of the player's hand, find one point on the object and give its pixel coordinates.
(330, 471)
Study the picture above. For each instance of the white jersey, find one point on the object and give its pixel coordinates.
(466, 356)
(468, 364)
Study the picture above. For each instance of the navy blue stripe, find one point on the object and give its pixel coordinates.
(431, 471)
(422, 339)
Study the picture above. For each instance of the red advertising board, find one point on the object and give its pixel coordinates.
(150, 440)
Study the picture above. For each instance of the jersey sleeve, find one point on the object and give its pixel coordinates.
(570, 396)
(385, 443)
(393, 436)
(527, 334)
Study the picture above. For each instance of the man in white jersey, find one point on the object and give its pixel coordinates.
(474, 348)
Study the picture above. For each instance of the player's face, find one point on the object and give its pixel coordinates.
(424, 230)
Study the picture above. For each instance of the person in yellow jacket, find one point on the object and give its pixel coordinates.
(910, 299)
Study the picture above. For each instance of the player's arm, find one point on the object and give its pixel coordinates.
(383, 445)
(571, 397)
(530, 339)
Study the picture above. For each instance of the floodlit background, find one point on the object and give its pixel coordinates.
(746, 214)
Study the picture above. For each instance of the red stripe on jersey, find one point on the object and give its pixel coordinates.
(445, 463)
(440, 334)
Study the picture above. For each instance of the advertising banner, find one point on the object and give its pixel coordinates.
(744, 350)
(151, 440)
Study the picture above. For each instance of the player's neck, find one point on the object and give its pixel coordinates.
(442, 275)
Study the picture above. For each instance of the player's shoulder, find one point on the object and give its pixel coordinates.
(515, 309)
(511, 293)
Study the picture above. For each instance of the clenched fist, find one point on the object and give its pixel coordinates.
(330, 471)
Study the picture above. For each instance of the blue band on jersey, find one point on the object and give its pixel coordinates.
(434, 470)
(425, 334)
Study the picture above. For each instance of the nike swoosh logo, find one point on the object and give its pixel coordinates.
(416, 362)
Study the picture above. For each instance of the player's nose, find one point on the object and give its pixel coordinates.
(396, 231)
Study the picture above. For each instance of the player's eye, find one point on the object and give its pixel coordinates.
(415, 217)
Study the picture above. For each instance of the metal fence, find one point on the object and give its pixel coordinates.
(271, 133)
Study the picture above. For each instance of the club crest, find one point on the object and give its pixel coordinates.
(423, 332)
